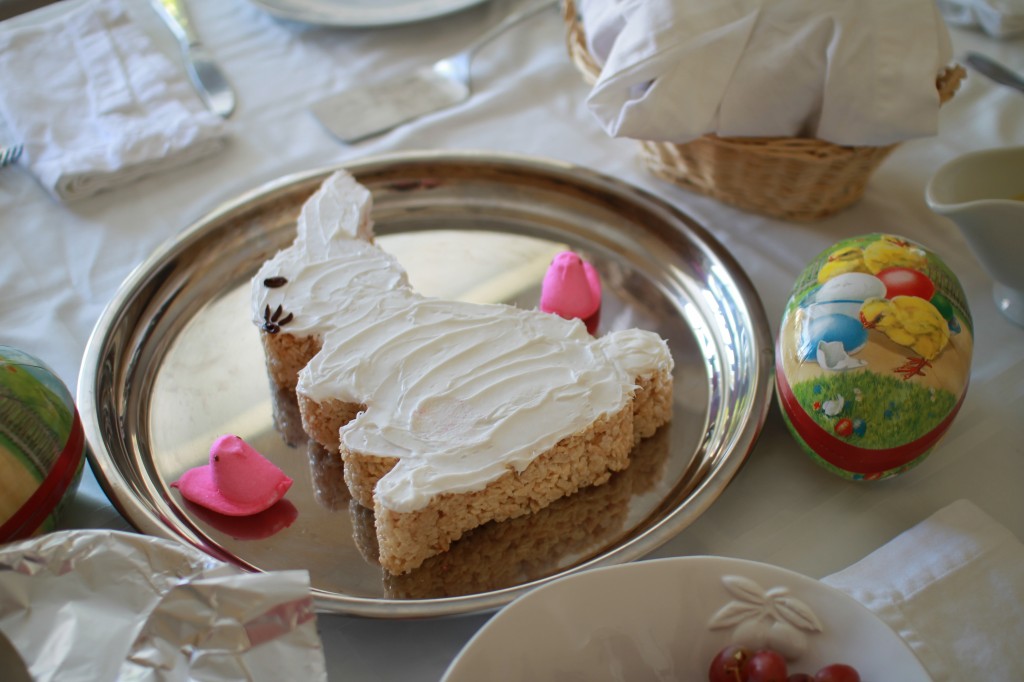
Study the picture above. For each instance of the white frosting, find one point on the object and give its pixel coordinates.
(460, 393)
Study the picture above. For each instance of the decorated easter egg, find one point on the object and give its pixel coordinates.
(42, 445)
(873, 356)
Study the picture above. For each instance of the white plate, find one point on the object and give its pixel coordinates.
(362, 13)
(665, 619)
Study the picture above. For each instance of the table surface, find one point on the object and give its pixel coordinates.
(61, 264)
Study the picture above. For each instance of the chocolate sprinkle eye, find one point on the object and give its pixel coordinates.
(274, 282)
(272, 322)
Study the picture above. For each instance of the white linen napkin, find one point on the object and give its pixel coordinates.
(998, 18)
(840, 71)
(953, 588)
(97, 104)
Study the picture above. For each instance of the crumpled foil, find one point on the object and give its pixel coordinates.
(97, 605)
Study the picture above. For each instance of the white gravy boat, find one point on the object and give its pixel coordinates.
(983, 193)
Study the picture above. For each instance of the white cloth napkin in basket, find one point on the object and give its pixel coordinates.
(953, 588)
(851, 73)
(97, 104)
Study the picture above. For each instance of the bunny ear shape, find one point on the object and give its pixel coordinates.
(238, 481)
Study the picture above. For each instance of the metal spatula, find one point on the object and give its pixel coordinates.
(359, 113)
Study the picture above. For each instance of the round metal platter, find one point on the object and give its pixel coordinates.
(175, 361)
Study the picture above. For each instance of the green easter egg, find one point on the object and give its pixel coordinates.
(42, 445)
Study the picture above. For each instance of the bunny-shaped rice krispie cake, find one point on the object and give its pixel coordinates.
(446, 414)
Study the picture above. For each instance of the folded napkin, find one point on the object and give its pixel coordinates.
(953, 588)
(96, 104)
(998, 18)
(836, 70)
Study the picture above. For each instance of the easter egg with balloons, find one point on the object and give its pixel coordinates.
(873, 356)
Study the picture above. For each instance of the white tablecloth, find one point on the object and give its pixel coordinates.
(61, 264)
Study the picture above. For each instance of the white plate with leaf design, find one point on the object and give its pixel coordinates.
(665, 619)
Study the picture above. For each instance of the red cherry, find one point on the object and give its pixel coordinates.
(766, 666)
(906, 282)
(837, 672)
(727, 665)
(844, 427)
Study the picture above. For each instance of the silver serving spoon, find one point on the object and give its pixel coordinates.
(363, 111)
(994, 70)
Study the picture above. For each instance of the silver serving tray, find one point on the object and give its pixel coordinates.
(175, 361)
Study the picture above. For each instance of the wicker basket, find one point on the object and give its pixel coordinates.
(798, 179)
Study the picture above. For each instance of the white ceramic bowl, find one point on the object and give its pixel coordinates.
(665, 619)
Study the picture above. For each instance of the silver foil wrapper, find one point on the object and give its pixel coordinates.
(96, 605)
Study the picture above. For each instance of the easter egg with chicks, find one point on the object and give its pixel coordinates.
(873, 356)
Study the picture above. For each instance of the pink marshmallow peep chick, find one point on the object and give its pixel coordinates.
(572, 288)
(238, 481)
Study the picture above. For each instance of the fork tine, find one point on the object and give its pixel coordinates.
(10, 155)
